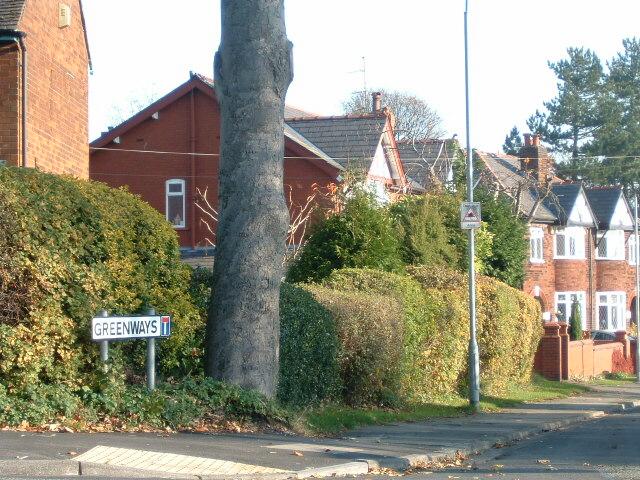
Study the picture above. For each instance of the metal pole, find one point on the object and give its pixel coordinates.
(637, 305)
(104, 345)
(151, 358)
(474, 356)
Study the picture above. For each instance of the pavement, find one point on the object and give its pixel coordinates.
(274, 456)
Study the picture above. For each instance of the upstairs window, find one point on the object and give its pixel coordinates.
(610, 245)
(632, 249)
(175, 203)
(569, 243)
(536, 245)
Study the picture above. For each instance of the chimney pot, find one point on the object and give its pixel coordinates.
(536, 140)
(376, 104)
(527, 139)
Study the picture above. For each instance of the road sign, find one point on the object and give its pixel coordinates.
(124, 328)
(470, 215)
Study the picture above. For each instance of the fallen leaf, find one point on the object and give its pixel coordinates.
(297, 453)
(543, 461)
(68, 430)
(22, 458)
(72, 453)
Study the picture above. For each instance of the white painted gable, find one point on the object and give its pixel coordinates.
(379, 166)
(581, 214)
(621, 216)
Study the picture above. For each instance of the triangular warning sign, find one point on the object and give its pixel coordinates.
(471, 216)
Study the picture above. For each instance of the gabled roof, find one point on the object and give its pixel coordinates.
(428, 161)
(351, 140)
(11, 13)
(505, 170)
(565, 199)
(205, 85)
(604, 201)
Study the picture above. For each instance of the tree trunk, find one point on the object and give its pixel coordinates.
(253, 70)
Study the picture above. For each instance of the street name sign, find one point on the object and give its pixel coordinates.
(470, 215)
(124, 328)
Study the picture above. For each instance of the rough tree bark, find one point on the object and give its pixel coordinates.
(253, 70)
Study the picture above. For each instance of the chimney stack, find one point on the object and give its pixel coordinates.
(535, 159)
(376, 104)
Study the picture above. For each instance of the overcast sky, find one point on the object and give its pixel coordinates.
(145, 48)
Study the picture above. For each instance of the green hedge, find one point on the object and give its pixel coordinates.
(433, 308)
(69, 248)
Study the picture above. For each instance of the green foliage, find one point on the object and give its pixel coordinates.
(576, 321)
(309, 371)
(67, 249)
(370, 332)
(512, 142)
(432, 304)
(360, 236)
(508, 325)
(509, 248)
(191, 403)
(424, 238)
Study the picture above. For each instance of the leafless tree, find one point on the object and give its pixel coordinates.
(415, 119)
(253, 70)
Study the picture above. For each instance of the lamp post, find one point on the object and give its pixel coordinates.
(637, 303)
(474, 356)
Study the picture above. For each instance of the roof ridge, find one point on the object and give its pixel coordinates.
(338, 117)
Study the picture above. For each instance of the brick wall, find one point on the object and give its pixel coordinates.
(188, 123)
(9, 104)
(57, 113)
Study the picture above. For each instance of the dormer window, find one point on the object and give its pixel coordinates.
(569, 243)
(610, 245)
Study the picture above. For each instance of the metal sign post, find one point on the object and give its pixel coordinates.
(474, 356)
(151, 326)
(151, 358)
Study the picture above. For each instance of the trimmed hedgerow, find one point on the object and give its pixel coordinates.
(309, 349)
(370, 332)
(508, 325)
(434, 326)
(69, 248)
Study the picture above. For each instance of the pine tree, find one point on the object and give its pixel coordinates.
(576, 321)
(512, 142)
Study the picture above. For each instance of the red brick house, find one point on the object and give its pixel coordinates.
(581, 242)
(169, 150)
(44, 67)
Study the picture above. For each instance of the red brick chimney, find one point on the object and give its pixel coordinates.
(376, 104)
(535, 159)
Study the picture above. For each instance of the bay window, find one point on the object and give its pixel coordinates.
(569, 243)
(610, 245)
(564, 300)
(611, 310)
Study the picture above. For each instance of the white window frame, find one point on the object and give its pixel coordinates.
(632, 249)
(617, 309)
(567, 300)
(182, 193)
(536, 245)
(574, 238)
(613, 243)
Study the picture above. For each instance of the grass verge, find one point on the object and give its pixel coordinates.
(614, 379)
(333, 419)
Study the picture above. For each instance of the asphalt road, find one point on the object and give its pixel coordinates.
(608, 448)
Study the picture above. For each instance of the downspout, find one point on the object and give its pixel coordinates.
(18, 38)
(192, 172)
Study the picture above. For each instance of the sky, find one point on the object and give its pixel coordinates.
(143, 49)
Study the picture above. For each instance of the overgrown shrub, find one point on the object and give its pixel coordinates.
(69, 248)
(370, 354)
(510, 246)
(361, 235)
(194, 402)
